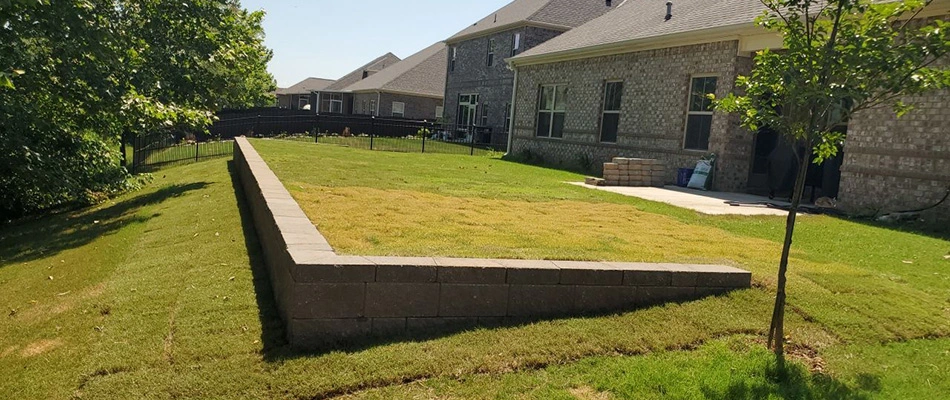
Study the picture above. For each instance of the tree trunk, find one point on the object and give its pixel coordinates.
(777, 330)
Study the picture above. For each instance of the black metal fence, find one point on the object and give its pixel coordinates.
(162, 149)
(154, 150)
(372, 133)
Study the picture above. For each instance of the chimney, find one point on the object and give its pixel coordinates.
(669, 10)
(608, 3)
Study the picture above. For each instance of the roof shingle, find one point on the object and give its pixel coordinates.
(375, 66)
(306, 86)
(422, 73)
(560, 13)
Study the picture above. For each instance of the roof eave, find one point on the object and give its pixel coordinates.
(729, 32)
(399, 92)
(501, 28)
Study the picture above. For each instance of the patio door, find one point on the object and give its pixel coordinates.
(468, 109)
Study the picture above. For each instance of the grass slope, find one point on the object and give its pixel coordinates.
(161, 294)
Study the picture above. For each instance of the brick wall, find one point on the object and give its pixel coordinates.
(893, 164)
(417, 107)
(653, 112)
(493, 84)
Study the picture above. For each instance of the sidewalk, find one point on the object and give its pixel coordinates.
(713, 203)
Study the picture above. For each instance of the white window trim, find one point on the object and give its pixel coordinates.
(302, 101)
(400, 114)
(472, 96)
(516, 44)
(689, 100)
(550, 134)
(604, 110)
(490, 56)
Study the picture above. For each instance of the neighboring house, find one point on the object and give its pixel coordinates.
(412, 88)
(633, 83)
(479, 83)
(297, 97)
(334, 99)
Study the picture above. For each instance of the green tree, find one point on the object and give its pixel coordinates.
(76, 74)
(841, 57)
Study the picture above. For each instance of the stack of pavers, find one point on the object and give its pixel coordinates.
(632, 172)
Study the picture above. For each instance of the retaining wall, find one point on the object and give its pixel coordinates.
(325, 298)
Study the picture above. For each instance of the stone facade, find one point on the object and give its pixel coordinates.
(493, 84)
(656, 87)
(417, 107)
(899, 164)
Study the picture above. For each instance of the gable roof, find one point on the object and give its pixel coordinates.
(642, 20)
(305, 86)
(555, 14)
(380, 63)
(421, 74)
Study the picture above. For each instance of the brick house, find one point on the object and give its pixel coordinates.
(297, 97)
(412, 88)
(478, 84)
(633, 83)
(334, 99)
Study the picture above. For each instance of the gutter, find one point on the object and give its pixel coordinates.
(722, 33)
(511, 125)
(502, 28)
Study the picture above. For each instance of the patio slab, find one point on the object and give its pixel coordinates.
(712, 203)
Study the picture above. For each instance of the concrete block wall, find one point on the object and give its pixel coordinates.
(326, 299)
(634, 172)
(656, 86)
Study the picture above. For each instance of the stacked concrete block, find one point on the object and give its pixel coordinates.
(326, 299)
(636, 172)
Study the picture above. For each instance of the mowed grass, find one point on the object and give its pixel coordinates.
(162, 294)
(406, 145)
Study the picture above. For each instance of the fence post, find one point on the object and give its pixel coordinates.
(196, 150)
(125, 160)
(472, 134)
(424, 142)
(135, 148)
(372, 132)
(316, 129)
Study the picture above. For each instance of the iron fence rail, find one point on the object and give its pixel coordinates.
(155, 150)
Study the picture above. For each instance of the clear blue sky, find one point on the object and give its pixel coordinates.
(328, 39)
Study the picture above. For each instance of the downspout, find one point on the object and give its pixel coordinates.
(318, 103)
(379, 102)
(511, 125)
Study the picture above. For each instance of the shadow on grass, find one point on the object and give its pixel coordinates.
(934, 230)
(273, 334)
(32, 239)
(795, 383)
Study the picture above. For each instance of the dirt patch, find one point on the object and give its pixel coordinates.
(6, 352)
(60, 303)
(40, 347)
(589, 393)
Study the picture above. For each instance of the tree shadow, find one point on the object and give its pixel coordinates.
(273, 333)
(795, 383)
(933, 229)
(36, 238)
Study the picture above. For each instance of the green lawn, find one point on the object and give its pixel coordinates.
(162, 293)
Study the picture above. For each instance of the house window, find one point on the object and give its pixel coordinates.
(551, 107)
(363, 107)
(455, 53)
(399, 109)
(468, 105)
(508, 112)
(303, 102)
(372, 107)
(485, 114)
(610, 121)
(332, 103)
(439, 112)
(516, 44)
(491, 52)
(699, 116)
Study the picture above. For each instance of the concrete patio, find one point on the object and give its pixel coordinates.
(713, 203)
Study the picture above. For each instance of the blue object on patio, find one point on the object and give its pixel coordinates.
(683, 176)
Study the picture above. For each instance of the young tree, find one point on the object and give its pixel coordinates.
(841, 57)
